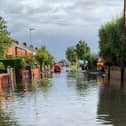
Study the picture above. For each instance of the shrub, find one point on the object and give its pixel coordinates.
(15, 63)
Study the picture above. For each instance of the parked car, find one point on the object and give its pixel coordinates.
(57, 68)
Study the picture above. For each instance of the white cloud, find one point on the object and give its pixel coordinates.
(70, 19)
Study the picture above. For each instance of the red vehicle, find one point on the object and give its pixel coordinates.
(57, 68)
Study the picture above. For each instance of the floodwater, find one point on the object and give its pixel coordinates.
(65, 99)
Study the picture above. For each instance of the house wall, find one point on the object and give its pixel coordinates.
(11, 51)
(4, 80)
(16, 51)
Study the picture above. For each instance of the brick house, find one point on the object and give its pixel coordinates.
(20, 49)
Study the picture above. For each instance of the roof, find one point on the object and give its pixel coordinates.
(24, 47)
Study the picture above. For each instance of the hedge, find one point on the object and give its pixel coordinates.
(15, 63)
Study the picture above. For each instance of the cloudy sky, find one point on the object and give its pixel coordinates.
(58, 23)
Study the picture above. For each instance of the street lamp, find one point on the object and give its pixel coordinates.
(30, 30)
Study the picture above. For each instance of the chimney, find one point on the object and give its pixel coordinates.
(24, 43)
(36, 48)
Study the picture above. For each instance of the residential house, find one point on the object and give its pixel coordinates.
(20, 49)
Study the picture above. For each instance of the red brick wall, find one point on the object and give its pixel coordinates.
(11, 51)
(36, 73)
(4, 80)
(15, 51)
(23, 74)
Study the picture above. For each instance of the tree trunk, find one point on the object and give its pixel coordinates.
(122, 75)
(109, 74)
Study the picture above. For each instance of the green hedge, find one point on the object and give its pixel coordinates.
(15, 63)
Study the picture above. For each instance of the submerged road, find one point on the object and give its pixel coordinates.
(65, 99)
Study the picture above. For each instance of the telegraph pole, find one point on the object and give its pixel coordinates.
(123, 46)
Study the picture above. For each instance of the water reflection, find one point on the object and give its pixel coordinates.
(6, 117)
(66, 99)
(24, 94)
(111, 106)
(81, 81)
(33, 86)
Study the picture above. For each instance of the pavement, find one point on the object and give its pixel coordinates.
(115, 77)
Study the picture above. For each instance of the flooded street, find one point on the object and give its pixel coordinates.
(65, 99)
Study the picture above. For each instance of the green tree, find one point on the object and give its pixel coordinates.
(93, 58)
(71, 54)
(43, 57)
(5, 39)
(50, 60)
(110, 41)
(83, 50)
(28, 60)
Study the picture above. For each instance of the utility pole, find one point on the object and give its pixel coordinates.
(123, 46)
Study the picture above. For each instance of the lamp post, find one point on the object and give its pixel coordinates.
(30, 30)
(28, 67)
(123, 46)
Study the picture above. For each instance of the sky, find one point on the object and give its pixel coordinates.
(58, 24)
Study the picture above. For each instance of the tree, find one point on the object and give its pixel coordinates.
(82, 49)
(50, 60)
(43, 57)
(93, 58)
(112, 44)
(110, 41)
(28, 60)
(5, 39)
(71, 54)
